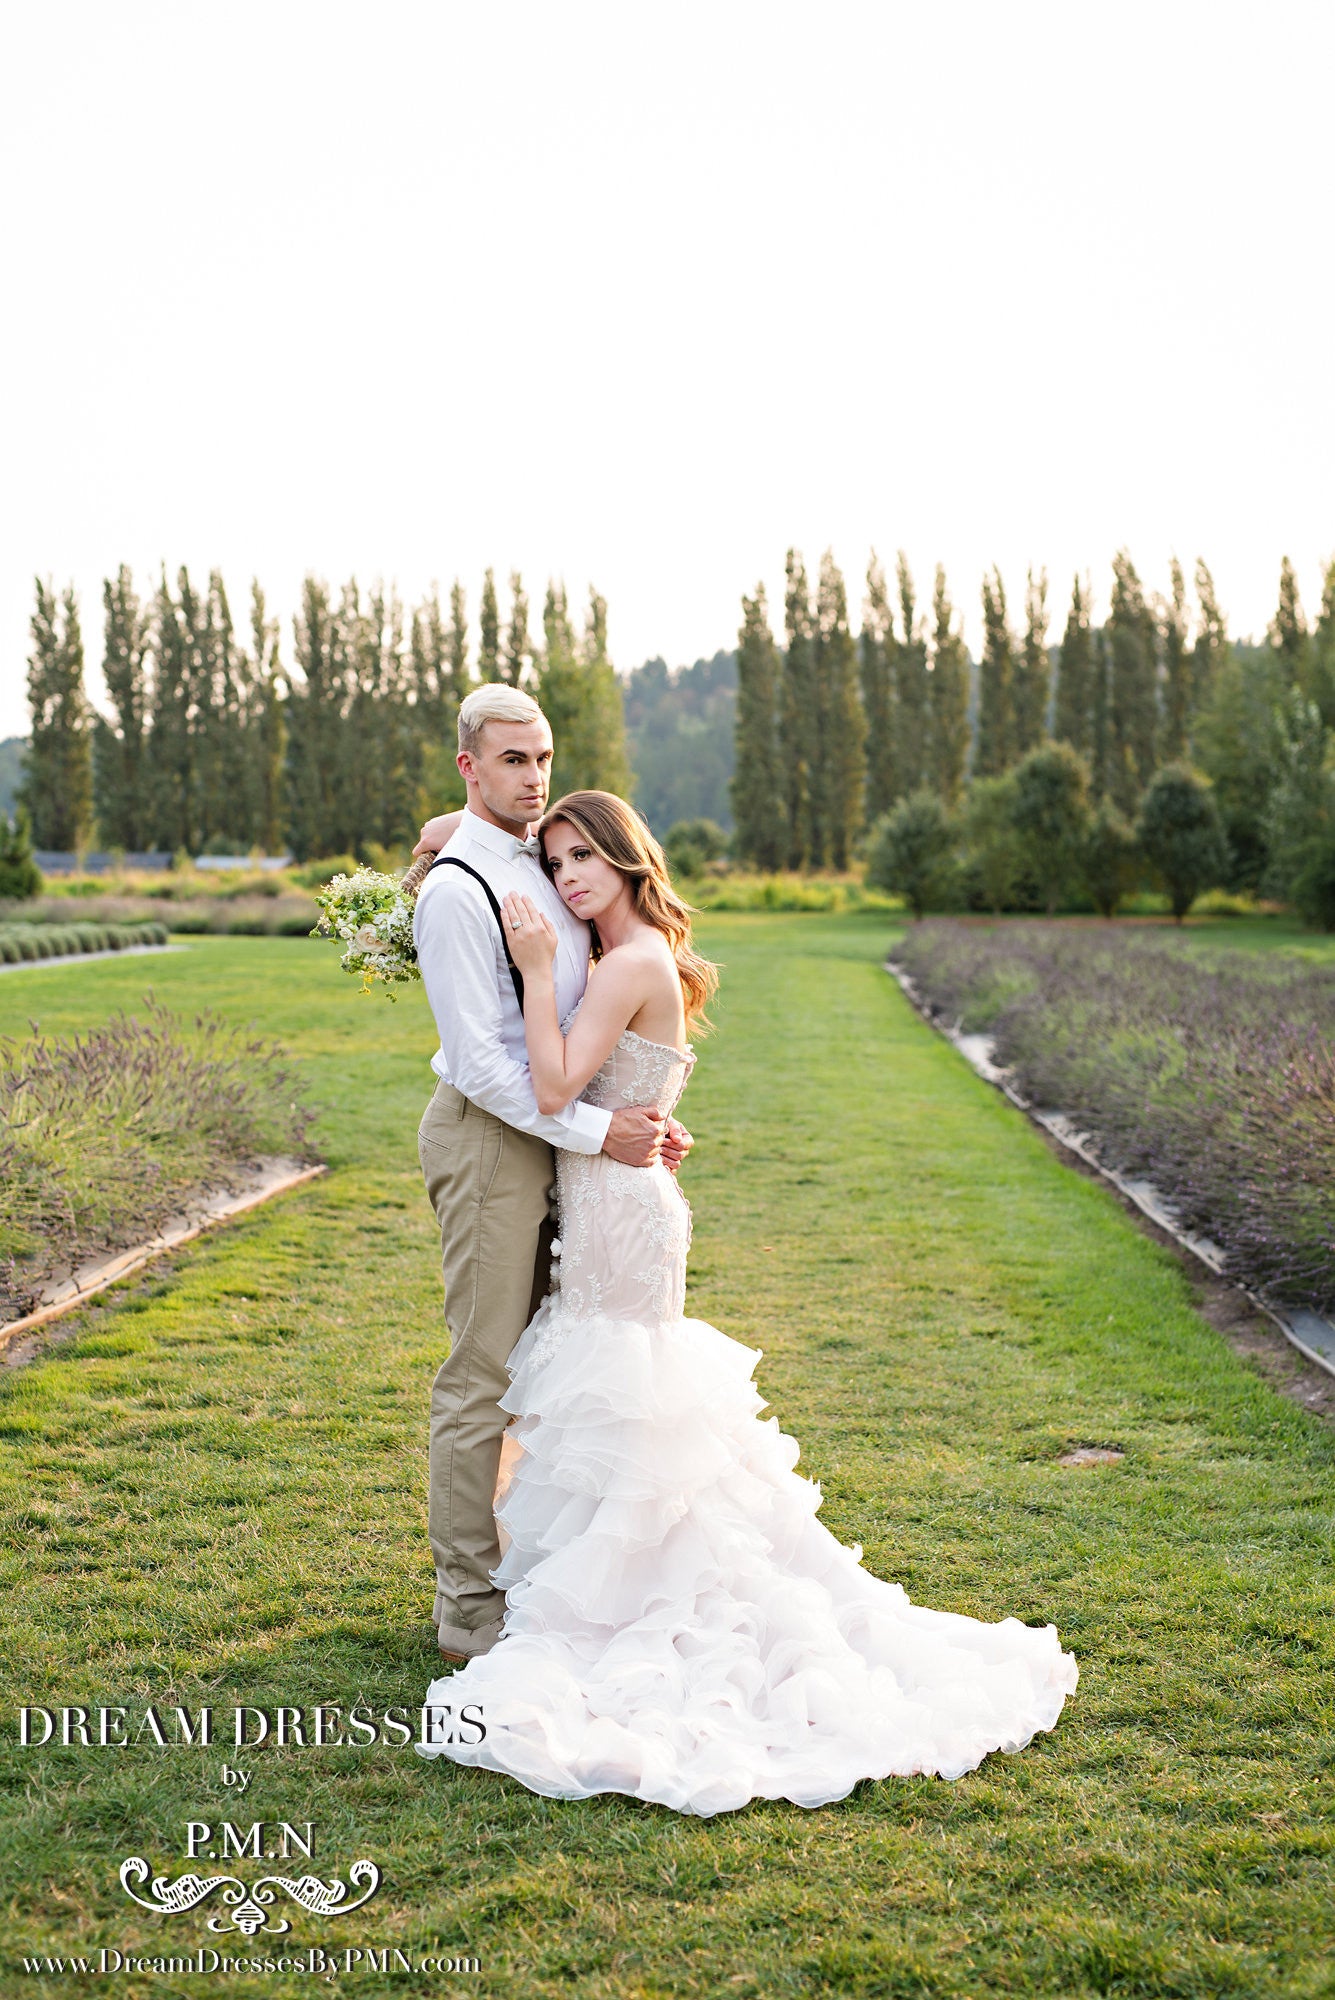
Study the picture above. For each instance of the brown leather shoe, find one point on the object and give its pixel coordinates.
(454, 1659)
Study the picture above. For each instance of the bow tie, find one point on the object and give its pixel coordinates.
(531, 846)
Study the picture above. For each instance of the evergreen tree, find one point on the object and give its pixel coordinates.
(221, 725)
(1133, 704)
(174, 736)
(1100, 715)
(1175, 733)
(996, 723)
(581, 697)
(1073, 720)
(57, 786)
(605, 765)
(20, 877)
(517, 645)
(755, 786)
(1051, 815)
(874, 644)
(456, 644)
(1321, 675)
(843, 763)
(796, 718)
(1210, 652)
(489, 633)
(909, 662)
(1288, 630)
(314, 728)
(949, 703)
(1033, 672)
(268, 728)
(1236, 746)
(119, 762)
(1181, 836)
(911, 850)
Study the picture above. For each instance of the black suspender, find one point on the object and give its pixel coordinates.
(453, 861)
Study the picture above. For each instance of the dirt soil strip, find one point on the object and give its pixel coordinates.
(273, 1175)
(1313, 1336)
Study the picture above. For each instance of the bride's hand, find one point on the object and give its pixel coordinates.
(532, 939)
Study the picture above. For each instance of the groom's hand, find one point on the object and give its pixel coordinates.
(677, 1143)
(635, 1137)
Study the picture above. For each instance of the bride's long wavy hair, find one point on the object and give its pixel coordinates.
(615, 831)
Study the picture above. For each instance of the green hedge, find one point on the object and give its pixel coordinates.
(21, 943)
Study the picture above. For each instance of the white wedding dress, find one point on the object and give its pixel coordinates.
(679, 1626)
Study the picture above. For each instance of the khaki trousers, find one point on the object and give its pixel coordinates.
(491, 1188)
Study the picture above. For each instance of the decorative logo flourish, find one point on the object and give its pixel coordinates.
(249, 1910)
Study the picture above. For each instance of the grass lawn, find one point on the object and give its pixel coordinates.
(214, 1492)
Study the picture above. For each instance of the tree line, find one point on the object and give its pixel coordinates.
(842, 730)
(212, 743)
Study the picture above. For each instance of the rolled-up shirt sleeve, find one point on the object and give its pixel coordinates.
(457, 956)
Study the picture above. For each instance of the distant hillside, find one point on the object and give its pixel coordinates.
(11, 770)
(679, 724)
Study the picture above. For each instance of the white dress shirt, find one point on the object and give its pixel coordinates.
(462, 960)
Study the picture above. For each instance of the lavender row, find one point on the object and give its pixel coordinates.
(1211, 1073)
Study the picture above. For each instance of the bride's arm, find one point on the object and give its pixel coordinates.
(560, 1065)
(435, 832)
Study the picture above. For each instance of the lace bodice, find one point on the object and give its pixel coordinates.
(639, 1071)
(623, 1231)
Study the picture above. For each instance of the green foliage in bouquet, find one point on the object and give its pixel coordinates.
(372, 915)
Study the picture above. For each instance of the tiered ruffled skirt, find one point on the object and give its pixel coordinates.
(680, 1627)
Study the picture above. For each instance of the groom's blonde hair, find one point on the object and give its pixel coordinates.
(497, 701)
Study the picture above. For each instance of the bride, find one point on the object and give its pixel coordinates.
(679, 1626)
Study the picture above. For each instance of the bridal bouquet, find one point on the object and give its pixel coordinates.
(372, 914)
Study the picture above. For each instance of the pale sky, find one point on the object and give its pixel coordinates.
(643, 294)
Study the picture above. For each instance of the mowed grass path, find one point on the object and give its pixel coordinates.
(215, 1493)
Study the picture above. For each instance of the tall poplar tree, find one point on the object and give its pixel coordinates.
(912, 750)
(949, 703)
(119, 746)
(1321, 675)
(1288, 629)
(1210, 652)
(796, 717)
(843, 728)
(489, 633)
(173, 642)
(456, 643)
(874, 644)
(1033, 673)
(268, 731)
(1100, 718)
(314, 727)
(57, 784)
(1175, 731)
(1133, 692)
(996, 719)
(755, 783)
(518, 647)
(1073, 719)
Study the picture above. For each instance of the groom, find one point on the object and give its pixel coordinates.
(485, 1148)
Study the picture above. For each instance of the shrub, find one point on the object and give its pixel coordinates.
(1050, 813)
(1212, 1074)
(1181, 834)
(20, 877)
(105, 1135)
(911, 849)
(690, 844)
(1107, 858)
(993, 850)
(315, 874)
